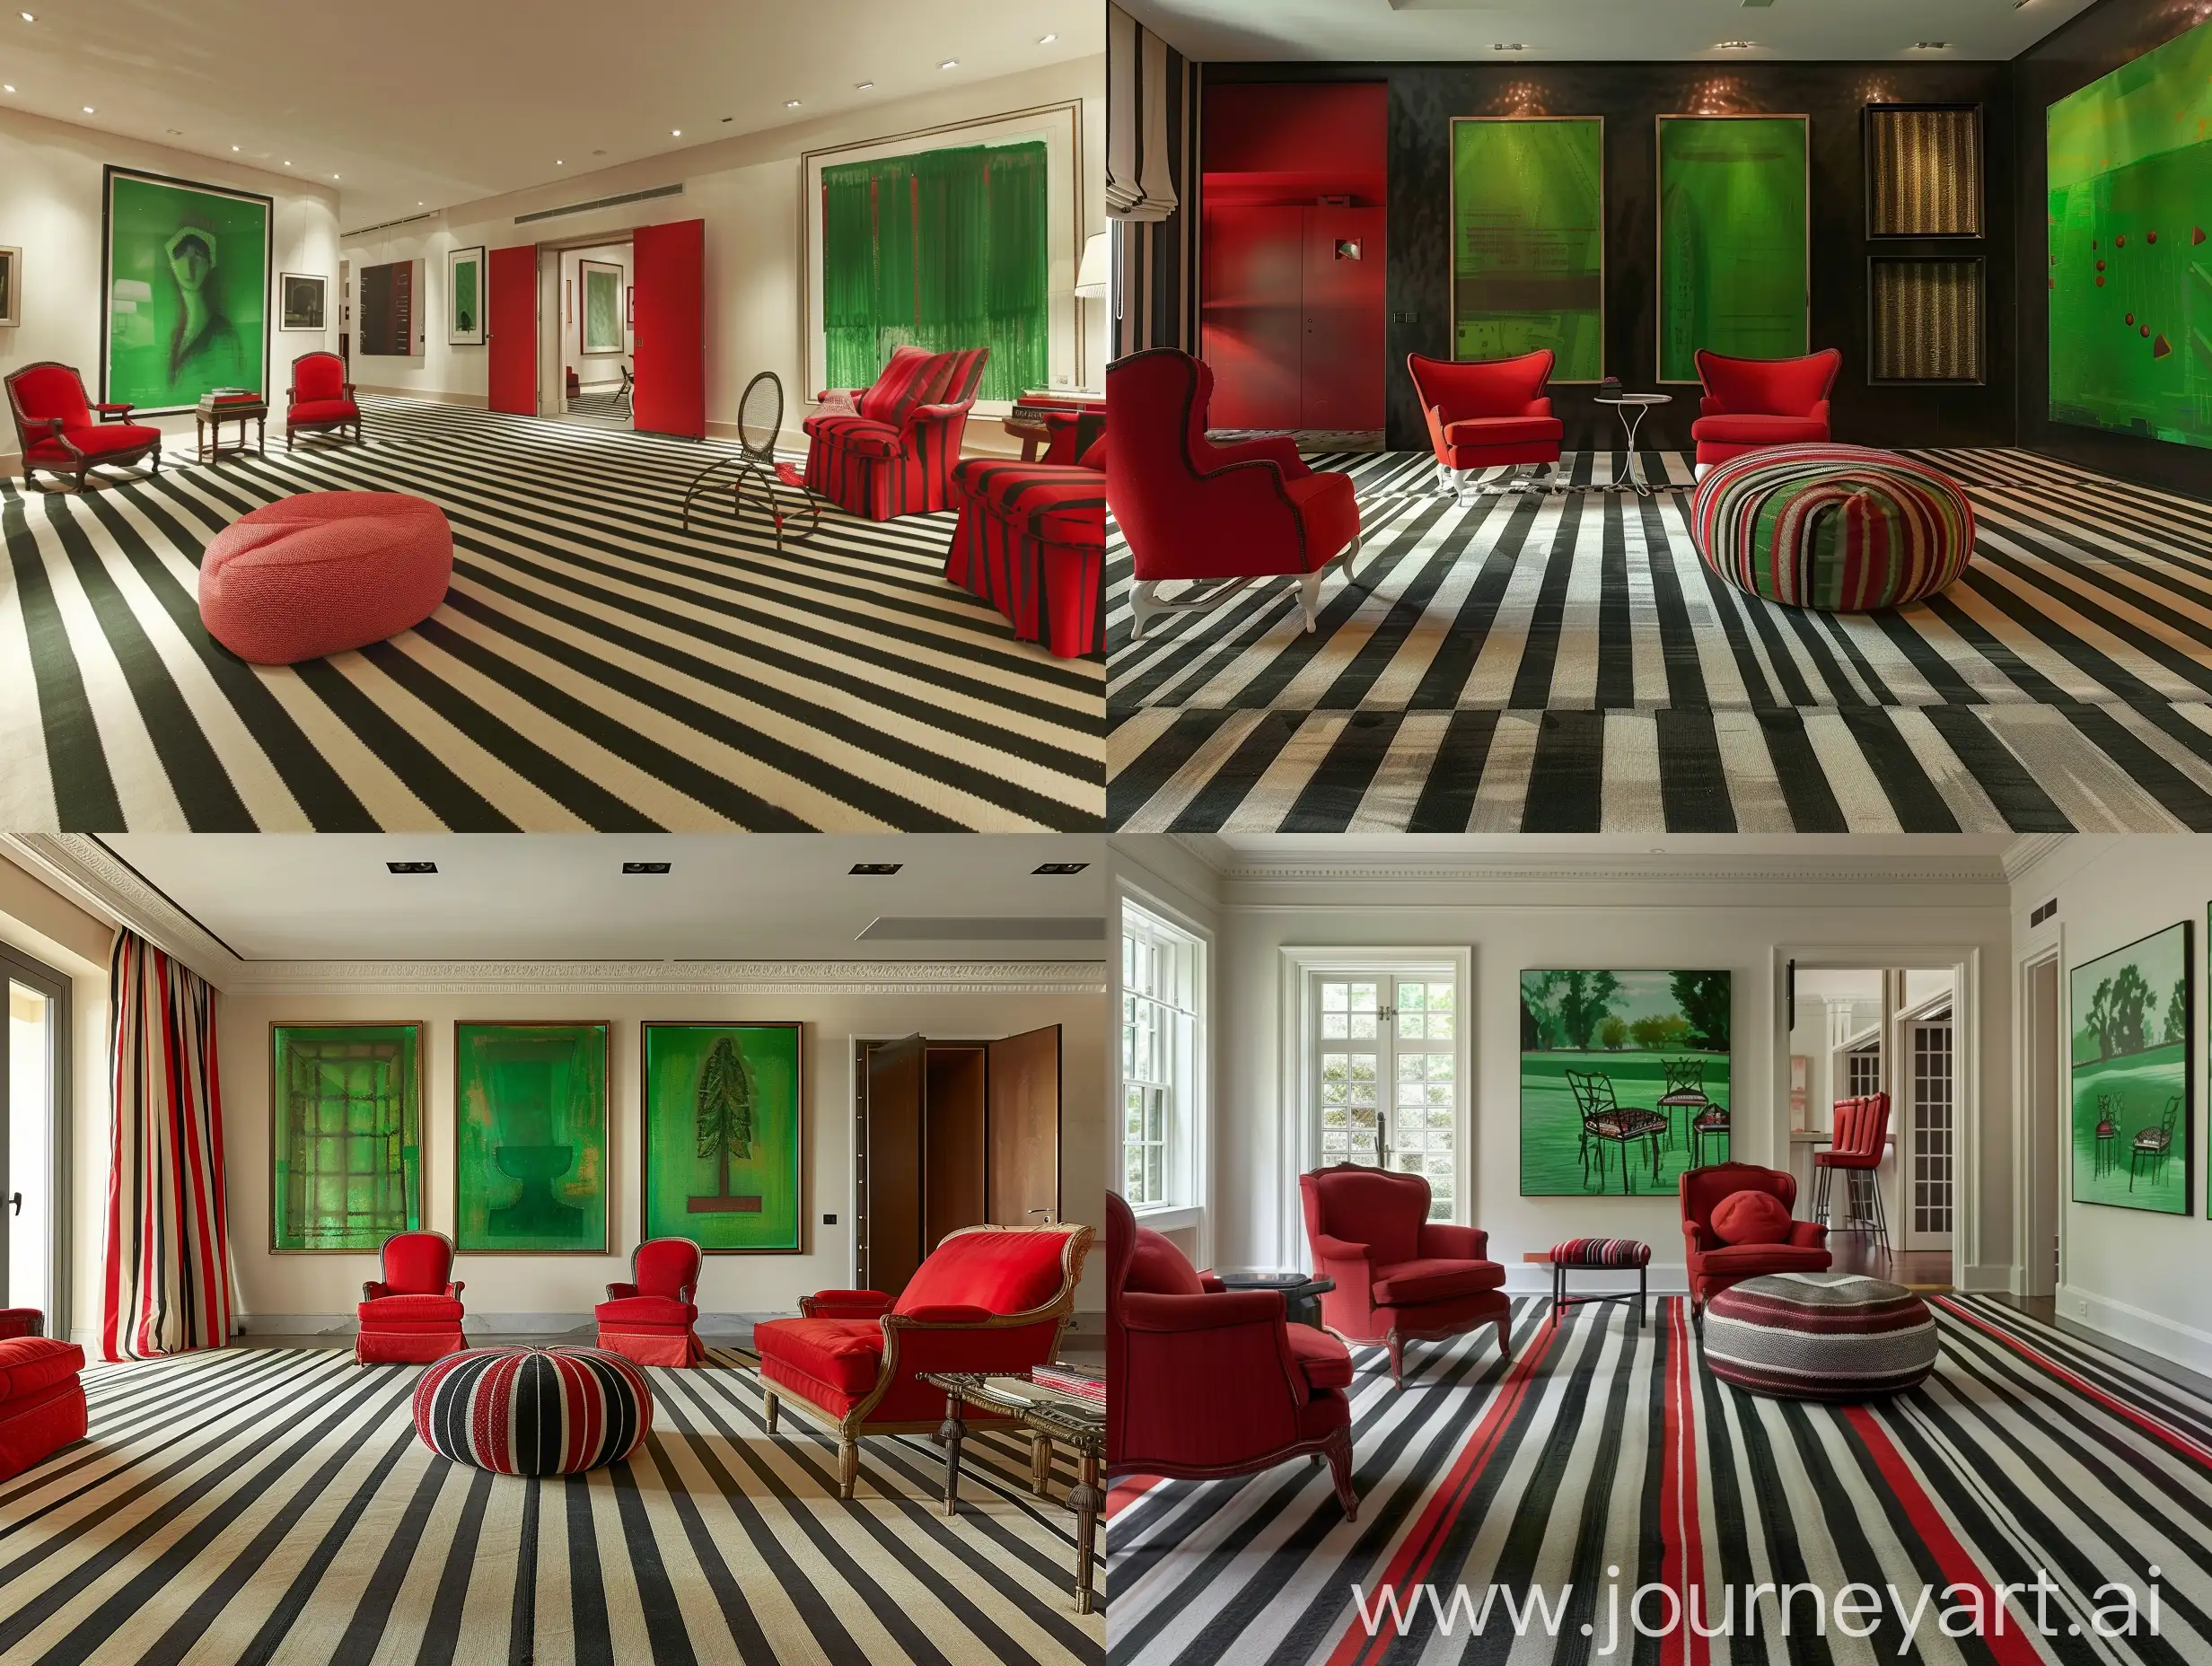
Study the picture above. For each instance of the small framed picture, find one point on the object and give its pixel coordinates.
(464, 297)
(599, 306)
(629, 307)
(11, 286)
(304, 295)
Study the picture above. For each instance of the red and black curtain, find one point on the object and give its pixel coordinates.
(168, 1287)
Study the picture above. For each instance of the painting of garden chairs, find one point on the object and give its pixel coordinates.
(2129, 1018)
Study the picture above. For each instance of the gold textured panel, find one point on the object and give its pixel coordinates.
(1924, 172)
(1927, 321)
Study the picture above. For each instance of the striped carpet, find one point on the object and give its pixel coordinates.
(1606, 1447)
(1561, 663)
(593, 668)
(248, 1506)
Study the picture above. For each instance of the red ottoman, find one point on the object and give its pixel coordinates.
(1031, 541)
(323, 571)
(1819, 1337)
(42, 1401)
(533, 1411)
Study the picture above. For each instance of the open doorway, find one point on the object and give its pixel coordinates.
(589, 374)
(34, 1066)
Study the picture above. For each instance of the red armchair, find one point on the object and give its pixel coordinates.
(1862, 1134)
(654, 1318)
(1401, 1277)
(42, 1401)
(893, 453)
(1750, 403)
(1210, 1382)
(1031, 538)
(1488, 414)
(1197, 511)
(1714, 1265)
(320, 399)
(987, 1299)
(59, 430)
(412, 1315)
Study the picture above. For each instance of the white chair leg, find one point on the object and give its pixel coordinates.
(1310, 598)
(1143, 607)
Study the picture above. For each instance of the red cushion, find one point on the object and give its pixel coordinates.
(98, 441)
(1326, 1362)
(1750, 428)
(52, 391)
(1005, 1272)
(1371, 1206)
(1158, 1267)
(1433, 1279)
(862, 435)
(414, 1310)
(28, 1364)
(905, 383)
(305, 412)
(415, 1263)
(318, 376)
(846, 1353)
(1784, 387)
(1751, 1217)
(646, 1311)
(1056, 503)
(1502, 430)
(1330, 511)
(1480, 387)
(667, 1266)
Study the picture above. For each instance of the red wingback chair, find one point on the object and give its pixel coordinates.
(320, 399)
(1486, 413)
(1862, 1134)
(989, 1298)
(654, 1318)
(412, 1315)
(1401, 1277)
(1714, 1264)
(1753, 402)
(893, 453)
(1031, 538)
(59, 430)
(1194, 510)
(1210, 1382)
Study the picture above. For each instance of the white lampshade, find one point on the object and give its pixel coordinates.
(1091, 276)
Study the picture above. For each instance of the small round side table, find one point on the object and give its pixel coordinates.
(1631, 407)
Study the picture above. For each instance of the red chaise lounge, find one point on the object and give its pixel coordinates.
(412, 1315)
(1748, 1238)
(320, 400)
(654, 1318)
(59, 430)
(1488, 414)
(1031, 538)
(1750, 403)
(41, 1397)
(893, 453)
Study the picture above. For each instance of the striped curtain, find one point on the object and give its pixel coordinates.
(1152, 188)
(168, 1287)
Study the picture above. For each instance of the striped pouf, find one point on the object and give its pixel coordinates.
(1819, 1336)
(1842, 529)
(533, 1411)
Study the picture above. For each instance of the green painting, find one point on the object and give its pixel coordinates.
(602, 307)
(1528, 240)
(187, 290)
(2131, 268)
(1624, 1080)
(464, 297)
(2128, 1017)
(530, 1160)
(722, 1130)
(1733, 256)
(345, 1134)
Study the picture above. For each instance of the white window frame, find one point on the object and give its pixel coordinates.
(1190, 1134)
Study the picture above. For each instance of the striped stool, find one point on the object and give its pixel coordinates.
(1605, 1254)
(1840, 529)
(1819, 1337)
(533, 1411)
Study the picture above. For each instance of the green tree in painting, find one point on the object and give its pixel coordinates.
(2177, 1009)
(1703, 997)
(1661, 1032)
(723, 1124)
(1613, 1032)
(2124, 1013)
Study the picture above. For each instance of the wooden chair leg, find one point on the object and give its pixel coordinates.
(770, 1404)
(1397, 1360)
(1041, 1465)
(1339, 1454)
(848, 1467)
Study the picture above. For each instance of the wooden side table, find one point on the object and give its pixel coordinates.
(1047, 1414)
(207, 422)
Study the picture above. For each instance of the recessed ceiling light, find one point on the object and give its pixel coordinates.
(1731, 46)
(1059, 869)
(791, 103)
(950, 63)
(334, 176)
(876, 869)
(1509, 45)
(411, 867)
(88, 110)
(1046, 40)
(644, 867)
(557, 162)
(4, 88)
(233, 147)
(1931, 46)
(27, 17)
(675, 133)
(862, 86)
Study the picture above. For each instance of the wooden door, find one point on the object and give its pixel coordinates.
(955, 1159)
(1341, 383)
(890, 1220)
(1023, 1088)
(670, 274)
(511, 330)
(1252, 331)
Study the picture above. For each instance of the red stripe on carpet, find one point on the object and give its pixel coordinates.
(1127, 1491)
(1682, 1553)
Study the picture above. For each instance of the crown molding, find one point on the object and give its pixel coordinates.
(91, 874)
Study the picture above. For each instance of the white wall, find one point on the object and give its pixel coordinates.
(51, 207)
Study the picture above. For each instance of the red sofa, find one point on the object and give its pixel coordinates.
(1401, 1277)
(1210, 1382)
(893, 455)
(991, 1299)
(1714, 1265)
(654, 1318)
(59, 430)
(42, 1401)
(412, 1315)
(1194, 510)
(1031, 538)
(320, 400)
(1486, 413)
(1750, 403)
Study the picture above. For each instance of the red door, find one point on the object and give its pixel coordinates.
(1342, 384)
(671, 395)
(1254, 318)
(511, 330)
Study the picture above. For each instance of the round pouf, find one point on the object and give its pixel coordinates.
(533, 1411)
(1839, 529)
(1819, 1336)
(323, 571)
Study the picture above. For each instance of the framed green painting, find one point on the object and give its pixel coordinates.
(721, 1133)
(184, 292)
(1528, 240)
(1735, 250)
(530, 1138)
(345, 1134)
(601, 310)
(2131, 1076)
(464, 297)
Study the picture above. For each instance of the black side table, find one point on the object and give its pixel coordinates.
(1301, 1295)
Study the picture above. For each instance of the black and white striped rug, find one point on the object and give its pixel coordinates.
(1605, 1458)
(246, 1505)
(1565, 662)
(595, 666)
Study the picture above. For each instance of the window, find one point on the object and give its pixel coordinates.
(1387, 1069)
(1162, 985)
(1863, 1073)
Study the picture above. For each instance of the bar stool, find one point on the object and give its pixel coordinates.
(1862, 1129)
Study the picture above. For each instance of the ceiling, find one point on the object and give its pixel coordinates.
(551, 896)
(409, 105)
(1633, 30)
(1987, 851)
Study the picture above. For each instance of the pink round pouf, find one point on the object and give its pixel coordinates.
(323, 571)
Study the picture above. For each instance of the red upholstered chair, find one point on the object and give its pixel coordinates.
(654, 1318)
(59, 430)
(893, 453)
(1753, 402)
(987, 1299)
(1714, 1264)
(1031, 540)
(42, 1401)
(1210, 1382)
(1194, 510)
(320, 399)
(1861, 1127)
(21, 1321)
(412, 1315)
(1400, 1276)
(1488, 414)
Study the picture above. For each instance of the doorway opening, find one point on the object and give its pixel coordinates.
(590, 370)
(2049, 1131)
(34, 1067)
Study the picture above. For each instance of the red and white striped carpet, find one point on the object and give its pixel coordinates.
(1607, 1447)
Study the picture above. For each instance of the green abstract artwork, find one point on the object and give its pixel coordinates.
(602, 307)
(464, 297)
(1624, 1080)
(1733, 259)
(2131, 268)
(2129, 1017)
(345, 1134)
(187, 290)
(722, 1131)
(1528, 240)
(530, 1160)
